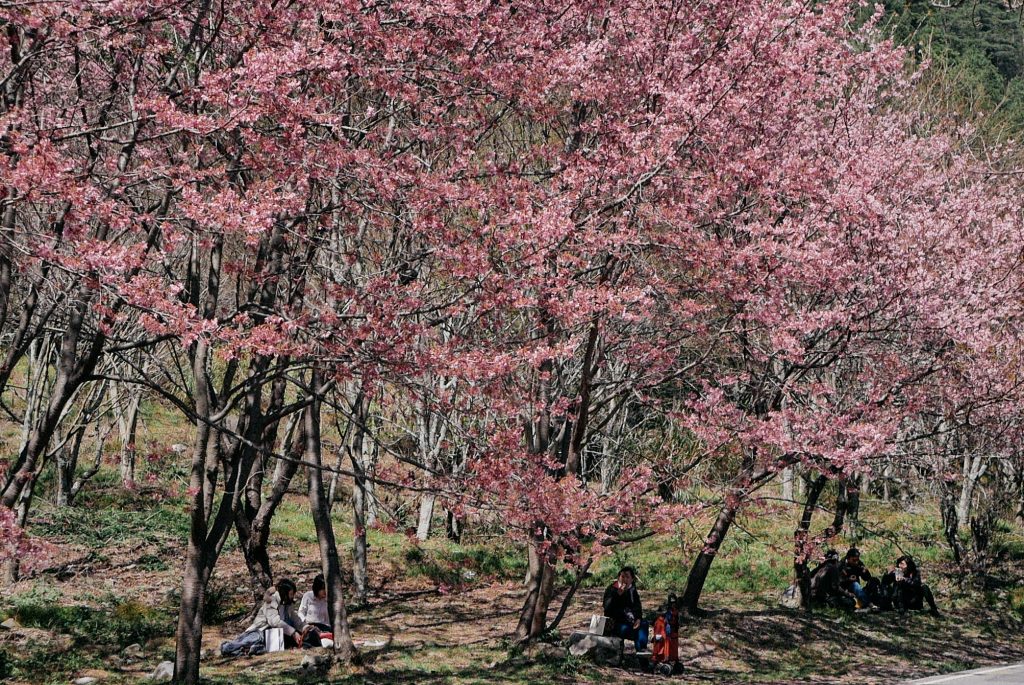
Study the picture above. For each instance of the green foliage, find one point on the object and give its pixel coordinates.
(1017, 601)
(99, 526)
(43, 665)
(452, 564)
(987, 29)
(978, 47)
(116, 622)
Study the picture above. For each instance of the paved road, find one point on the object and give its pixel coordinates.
(990, 675)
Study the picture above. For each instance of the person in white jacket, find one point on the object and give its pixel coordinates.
(313, 607)
(278, 611)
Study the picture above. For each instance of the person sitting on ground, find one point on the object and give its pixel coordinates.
(903, 586)
(622, 605)
(825, 585)
(313, 607)
(276, 611)
(851, 574)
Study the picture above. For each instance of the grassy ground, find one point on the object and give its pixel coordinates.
(443, 613)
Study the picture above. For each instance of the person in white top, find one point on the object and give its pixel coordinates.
(313, 607)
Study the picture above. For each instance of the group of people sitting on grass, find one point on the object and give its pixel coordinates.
(848, 584)
(307, 626)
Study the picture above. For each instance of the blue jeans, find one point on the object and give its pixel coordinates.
(860, 594)
(638, 635)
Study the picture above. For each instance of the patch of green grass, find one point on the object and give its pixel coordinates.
(1017, 601)
(102, 526)
(293, 520)
(453, 564)
(49, 666)
(116, 623)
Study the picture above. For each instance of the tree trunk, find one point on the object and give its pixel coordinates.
(541, 583)
(974, 468)
(128, 423)
(951, 523)
(318, 504)
(69, 377)
(189, 633)
(802, 552)
(850, 490)
(426, 516)
(787, 484)
(356, 449)
(699, 571)
(453, 527)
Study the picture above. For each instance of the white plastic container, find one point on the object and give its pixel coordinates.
(598, 624)
(274, 638)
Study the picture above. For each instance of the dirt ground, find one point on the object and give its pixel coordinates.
(413, 632)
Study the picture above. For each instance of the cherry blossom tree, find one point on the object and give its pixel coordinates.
(530, 223)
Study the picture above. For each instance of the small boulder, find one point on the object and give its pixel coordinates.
(544, 651)
(132, 650)
(85, 680)
(162, 673)
(598, 648)
(317, 664)
(10, 624)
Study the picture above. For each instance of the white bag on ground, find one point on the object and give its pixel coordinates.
(274, 638)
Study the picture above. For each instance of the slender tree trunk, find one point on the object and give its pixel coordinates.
(189, 632)
(70, 373)
(850, 490)
(343, 646)
(744, 483)
(801, 554)
(541, 582)
(67, 463)
(128, 423)
(951, 523)
(787, 484)
(356, 449)
(426, 515)
(699, 571)
(453, 528)
(254, 534)
(974, 468)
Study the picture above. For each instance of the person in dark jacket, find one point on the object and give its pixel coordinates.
(904, 588)
(622, 605)
(855, 577)
(825, 585)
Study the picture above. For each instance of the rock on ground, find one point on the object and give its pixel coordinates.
(600, 649)
(544, 651)
(162, 673)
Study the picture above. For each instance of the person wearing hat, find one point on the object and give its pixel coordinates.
(622, 605)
